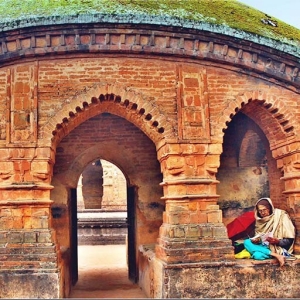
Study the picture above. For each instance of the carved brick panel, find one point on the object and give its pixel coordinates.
(22, 104)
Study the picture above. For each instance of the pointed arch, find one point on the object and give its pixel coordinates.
(270, 113)
(129, 104)
(73, 173)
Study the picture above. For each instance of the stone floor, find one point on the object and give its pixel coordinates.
(103, 273)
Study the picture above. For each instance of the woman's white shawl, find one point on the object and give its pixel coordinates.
(279, 223)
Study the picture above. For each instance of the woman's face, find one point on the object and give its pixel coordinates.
(263, 211)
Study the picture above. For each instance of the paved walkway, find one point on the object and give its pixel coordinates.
(103, 273)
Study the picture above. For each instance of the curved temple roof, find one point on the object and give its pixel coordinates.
(229, 17)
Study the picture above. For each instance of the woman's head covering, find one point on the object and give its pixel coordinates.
(265, 202)
(278, 222)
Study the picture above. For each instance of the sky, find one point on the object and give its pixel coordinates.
(287, 11)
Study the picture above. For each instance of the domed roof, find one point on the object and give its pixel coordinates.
(229, 17)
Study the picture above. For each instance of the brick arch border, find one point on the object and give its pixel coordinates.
(127, 167)
(129, 104)
(257, 104)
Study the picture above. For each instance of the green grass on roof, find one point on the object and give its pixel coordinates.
(229, 13)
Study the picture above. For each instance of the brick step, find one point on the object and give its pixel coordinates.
(25, 245)
(206, 244)
(29, 257)
(26, 271)
(27, 236)
(25, 249)
(27, 265)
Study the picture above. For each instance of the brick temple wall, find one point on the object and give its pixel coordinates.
(160, 107)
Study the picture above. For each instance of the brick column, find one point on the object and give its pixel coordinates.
(30, 258)
(192, 228)
(291, 166)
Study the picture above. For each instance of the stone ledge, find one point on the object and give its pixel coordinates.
(236, 278)
(30, 284)
(149, 252)
(27, 271)
(245, 262)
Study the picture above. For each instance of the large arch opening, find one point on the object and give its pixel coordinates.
(107, 138)
(247, 169)
(106, 260)
(101, 209)
(102, 205)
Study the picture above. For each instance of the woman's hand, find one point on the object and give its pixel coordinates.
(273, 241)
(256, 241)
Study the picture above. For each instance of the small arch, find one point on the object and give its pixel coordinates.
(94, 100)
(155, 124)
(134, 106)
(118, 99)
(95, 184)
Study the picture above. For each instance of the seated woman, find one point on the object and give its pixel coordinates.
(278, 224)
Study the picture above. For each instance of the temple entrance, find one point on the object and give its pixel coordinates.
(106, 192)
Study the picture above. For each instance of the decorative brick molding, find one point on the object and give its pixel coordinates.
(96, 38)
(109, 98)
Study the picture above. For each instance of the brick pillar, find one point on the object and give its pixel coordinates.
(291, 166)
(30, 259)
(92, 185)
(192, 228)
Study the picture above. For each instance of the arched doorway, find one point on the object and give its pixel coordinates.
(102, 204)
(102, 215)
(110, 138)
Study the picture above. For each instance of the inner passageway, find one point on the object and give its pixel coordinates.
(103, 273)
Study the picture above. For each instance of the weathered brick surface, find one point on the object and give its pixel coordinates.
(244, 280)
(158, 105)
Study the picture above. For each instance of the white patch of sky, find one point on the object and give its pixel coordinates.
(287, 11)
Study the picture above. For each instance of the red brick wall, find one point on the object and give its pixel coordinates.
(168, 86)
(60, 80)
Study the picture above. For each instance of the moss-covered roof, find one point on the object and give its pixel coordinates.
(225, 16)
